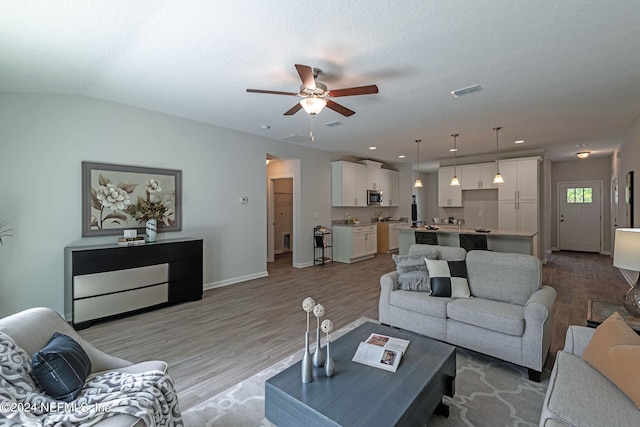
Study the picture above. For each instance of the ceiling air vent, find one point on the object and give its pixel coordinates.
(466, 90)
(333, 123)
(296, 139)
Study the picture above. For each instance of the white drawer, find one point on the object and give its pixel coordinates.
(108, 305)
(89, 285)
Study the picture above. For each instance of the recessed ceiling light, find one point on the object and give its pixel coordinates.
(401, 156)
(520, 142)
(372, 148)
(453, 149)
(265, 127)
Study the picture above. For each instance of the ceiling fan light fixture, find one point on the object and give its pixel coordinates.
(313, 105)
(583, 154)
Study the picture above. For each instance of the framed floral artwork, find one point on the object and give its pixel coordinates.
(119, 197)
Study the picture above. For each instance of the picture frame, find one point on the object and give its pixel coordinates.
(109, 189)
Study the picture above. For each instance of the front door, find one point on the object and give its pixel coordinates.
(579, 213)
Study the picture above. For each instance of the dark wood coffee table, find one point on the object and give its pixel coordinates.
(360, 395)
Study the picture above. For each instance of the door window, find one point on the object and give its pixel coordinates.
(580, 195)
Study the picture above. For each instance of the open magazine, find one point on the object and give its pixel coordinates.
(381, 351)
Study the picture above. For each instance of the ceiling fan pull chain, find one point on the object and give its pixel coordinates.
(311, 135)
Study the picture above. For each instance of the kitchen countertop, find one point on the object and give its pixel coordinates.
(453, 229)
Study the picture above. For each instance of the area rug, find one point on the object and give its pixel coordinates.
(489, 392)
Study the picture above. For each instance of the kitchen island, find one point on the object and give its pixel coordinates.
(521, 242)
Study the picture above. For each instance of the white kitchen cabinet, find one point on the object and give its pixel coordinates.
(373, 175)
(518, 195)
(348, 184)
(520, 179)
(449, 196)
(390, 186)
(354, 243)
(521, 216)
(477, 176)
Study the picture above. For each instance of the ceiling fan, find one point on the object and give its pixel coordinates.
(315, 95)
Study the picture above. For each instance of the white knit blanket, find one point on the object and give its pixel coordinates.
(149, 396)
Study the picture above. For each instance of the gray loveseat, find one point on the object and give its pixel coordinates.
(579, 395)
(508, 317)
(31, 330)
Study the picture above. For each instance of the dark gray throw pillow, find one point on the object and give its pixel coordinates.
(412, 271)
(61, 367)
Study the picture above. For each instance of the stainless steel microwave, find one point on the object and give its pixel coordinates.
(374, 197)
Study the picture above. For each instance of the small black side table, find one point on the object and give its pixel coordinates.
(598, 311)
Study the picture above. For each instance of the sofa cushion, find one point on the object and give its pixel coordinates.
(61, 367)
(412, 271)
(448, 278)
(493, 315)
(579, 395)
(506, 277)
(420, 302)
(614, 350)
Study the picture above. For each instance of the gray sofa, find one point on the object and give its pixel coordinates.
(508, 317)
(31, 330)
(579, 395)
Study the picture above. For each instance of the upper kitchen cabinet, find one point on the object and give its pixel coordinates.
(478, 176)
(520, 179)
(348, 184)
(374, 178)
(449, 196)
(390, 186)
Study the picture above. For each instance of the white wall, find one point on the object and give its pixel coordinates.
(44, 139)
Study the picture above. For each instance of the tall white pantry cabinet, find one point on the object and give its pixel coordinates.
(518, 196)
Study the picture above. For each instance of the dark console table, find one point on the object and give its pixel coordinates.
(107, 280)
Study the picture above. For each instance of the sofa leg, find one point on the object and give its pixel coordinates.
(534, 375)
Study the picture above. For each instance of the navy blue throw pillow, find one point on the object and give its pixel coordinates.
(61, 367)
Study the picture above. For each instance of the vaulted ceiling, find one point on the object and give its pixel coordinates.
(560, 75)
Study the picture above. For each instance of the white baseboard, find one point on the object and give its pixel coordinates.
(234, 280)
(303, 264)
(627, 277)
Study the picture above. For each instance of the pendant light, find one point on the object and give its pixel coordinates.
(418, 183)
(498, 179)
(455, 180)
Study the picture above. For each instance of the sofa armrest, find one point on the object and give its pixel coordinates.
(577, 339)
(538, 319)
(388, 283)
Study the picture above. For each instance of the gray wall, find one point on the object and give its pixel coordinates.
(46, 137)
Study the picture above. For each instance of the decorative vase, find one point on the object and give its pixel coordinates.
(318, 355)
(152, 226)
(329, 365)
(306, 361)
(631, 299)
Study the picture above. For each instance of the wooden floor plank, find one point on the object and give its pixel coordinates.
(238, 330)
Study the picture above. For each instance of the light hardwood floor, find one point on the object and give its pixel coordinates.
(238, 330)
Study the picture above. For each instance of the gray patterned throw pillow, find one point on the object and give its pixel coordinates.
(412, 271)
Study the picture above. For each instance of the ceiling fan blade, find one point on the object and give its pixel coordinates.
(293, 110)
(273, 92)
(306, 75)
(339, 108)
(351, 91)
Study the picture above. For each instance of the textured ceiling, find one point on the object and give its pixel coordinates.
(556, 74)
